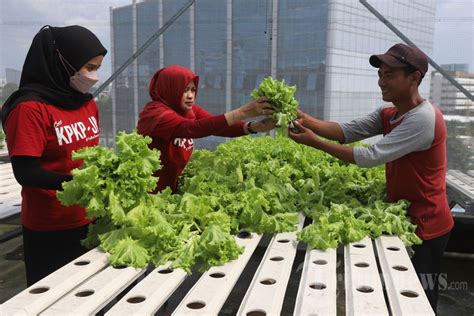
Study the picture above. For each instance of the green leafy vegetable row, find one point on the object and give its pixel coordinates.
(252, 184)
(345, 202)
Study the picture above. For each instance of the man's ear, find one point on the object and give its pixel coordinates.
(417, 77)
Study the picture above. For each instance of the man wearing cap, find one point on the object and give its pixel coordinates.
(413, 150)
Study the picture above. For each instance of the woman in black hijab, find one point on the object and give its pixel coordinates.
(48, 117)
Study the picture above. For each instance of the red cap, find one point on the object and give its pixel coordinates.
(400, 56)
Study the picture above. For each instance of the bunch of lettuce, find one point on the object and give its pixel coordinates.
(346, 223)
(282, 98)
(108, 178)
(113, 186)
(136, 227)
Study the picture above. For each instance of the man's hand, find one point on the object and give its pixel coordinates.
(307, 137)
(304, 135)
(300, 114)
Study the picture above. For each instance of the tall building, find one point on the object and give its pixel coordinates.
(3, 82)
(456, 67)
(13, 75)
(321, 46)
(458, 112)
(452, 102)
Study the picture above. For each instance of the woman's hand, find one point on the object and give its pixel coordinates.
(255, 108)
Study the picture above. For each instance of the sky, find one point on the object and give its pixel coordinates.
(21, 19)
(454, 32)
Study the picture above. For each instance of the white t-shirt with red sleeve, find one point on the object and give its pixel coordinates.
(42, 130)
(414, 151)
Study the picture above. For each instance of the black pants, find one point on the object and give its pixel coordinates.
(427, 263)
(45, 252)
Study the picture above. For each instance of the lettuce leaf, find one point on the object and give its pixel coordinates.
(282, 99)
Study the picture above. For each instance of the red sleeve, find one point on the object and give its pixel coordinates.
(229, 131)
(167, 124)
(26, 131)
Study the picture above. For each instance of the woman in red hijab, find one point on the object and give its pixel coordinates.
(172, 120)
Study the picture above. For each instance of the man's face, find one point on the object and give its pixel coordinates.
(395, 85)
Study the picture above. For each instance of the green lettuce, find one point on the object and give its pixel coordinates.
(260, 189)
(282, 99)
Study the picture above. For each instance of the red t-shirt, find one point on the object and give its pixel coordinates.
(420, 177)
(173, 135)
(51, 133)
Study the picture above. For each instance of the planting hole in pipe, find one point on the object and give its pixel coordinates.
(196, 305)
(365, 289)
(400, 268)
(317, 286)
(217, 275)
(84, 293)
(268, 281)
(82, 263)
(39, 290)
(409, 294)
(136, 299)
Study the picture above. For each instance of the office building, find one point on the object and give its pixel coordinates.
(321, 46)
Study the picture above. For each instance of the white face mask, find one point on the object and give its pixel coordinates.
(83, 82)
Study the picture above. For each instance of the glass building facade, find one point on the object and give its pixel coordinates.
(177, 39)
(321, 46)
(210, 52)
(353, 35)
(301, 50)
(123, 116)
(148, 18)
(251, 44)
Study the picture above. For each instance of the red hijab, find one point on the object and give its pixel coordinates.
(166, 90)
(168, 84)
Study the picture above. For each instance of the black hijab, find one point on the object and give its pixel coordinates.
(44, 77)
